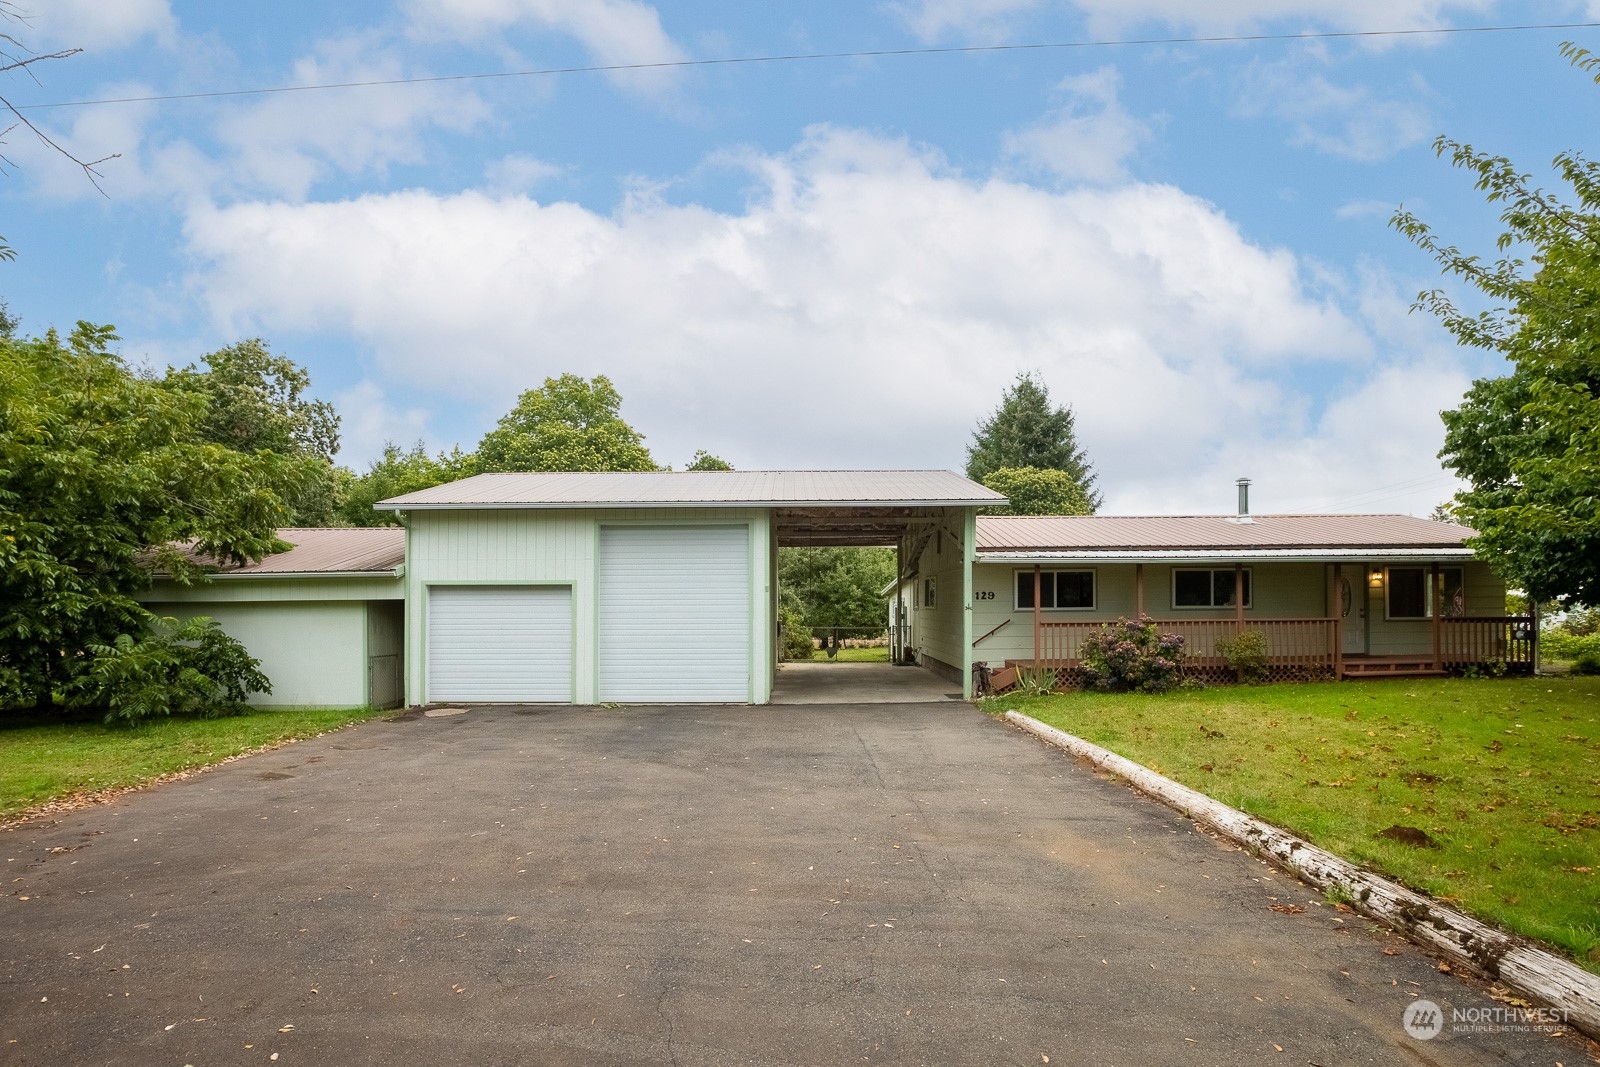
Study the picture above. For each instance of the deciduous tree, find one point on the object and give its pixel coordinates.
(1034, 491)
(568, 424)
(1528, 443)
(396, 473)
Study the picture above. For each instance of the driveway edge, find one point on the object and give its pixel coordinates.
(1531, 972)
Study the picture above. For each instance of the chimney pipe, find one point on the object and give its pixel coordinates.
(1244, 501)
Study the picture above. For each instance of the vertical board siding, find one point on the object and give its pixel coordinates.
(313, 652)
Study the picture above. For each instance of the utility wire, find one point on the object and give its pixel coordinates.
(611, 68)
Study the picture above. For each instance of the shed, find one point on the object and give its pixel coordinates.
(325, 618)
(657, 587)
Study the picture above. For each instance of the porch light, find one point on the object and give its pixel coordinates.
(1376, 578)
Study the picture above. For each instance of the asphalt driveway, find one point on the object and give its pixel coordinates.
(801, 885)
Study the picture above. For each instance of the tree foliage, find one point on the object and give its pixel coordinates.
(837, 587)
(103, 474)
(1033, 491)
(1026, 430)
(396, 473)
(568, 424)
(1528, 443)
(705, 461)
(256, 401)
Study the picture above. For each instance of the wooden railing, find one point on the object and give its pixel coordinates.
(1507, 639)
(1296, 648)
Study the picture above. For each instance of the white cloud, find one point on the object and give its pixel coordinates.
(1366, 209)
(368, 421)
(991, 20)
(518, 173)
(97, 24)
(866, 310)
(1349, 121)
(612, 31)
(1088, 138)
(286, 143)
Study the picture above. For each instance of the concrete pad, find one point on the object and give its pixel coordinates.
(899, 884)
(821, 682)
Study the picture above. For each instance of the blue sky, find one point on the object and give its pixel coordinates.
(831, 263)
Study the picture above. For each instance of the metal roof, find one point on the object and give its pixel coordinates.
(331, 551)
(633, 489)
(1128, 533)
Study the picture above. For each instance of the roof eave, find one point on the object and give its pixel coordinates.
(1360, 554)
(610, 505)
(395, 572)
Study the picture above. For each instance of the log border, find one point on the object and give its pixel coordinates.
(1530, 972)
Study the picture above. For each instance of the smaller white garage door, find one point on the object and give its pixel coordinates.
(498, 644)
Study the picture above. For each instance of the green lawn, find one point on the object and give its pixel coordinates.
(39, 763)
(873, 654)
(1504, 774)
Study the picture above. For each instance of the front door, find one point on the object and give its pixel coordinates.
(1353, 611)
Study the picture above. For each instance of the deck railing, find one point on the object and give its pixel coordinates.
(1507, 639)
(1296, 648)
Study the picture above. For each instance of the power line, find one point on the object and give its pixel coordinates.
(882, 53)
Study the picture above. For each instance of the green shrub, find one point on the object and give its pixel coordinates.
(1132, 655)
(1246, 653)
(1587, 663)
(796, 635)
(189, 668)
(1560, 644)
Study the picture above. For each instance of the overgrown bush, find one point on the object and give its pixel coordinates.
(796, 635)
(1558, 643)
(1587, 663)
(1246, 653)
(1132, 655)
(189, 668)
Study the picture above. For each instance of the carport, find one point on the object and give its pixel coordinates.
(661, 586)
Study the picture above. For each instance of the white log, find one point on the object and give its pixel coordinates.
(1530, 972)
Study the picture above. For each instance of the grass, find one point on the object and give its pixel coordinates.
(41, 762)
(1503, 774)
(870, 654)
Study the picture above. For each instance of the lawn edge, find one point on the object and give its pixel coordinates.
(1532, 972)
(79, 801)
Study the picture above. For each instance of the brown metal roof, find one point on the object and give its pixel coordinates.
(332, 551)
(1006, 533)
(631, 489)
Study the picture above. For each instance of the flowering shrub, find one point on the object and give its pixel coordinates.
(1132, 655)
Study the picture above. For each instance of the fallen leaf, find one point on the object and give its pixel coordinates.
(1445, 967)
(1286, 909)
(1391, 952)
(287, 1028)
(1277, 1046)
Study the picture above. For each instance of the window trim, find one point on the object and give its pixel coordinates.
(1250, 582)
(1094, 587)
(930, 592)
(1427, 590)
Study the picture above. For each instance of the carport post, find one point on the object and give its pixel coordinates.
(897, 633)
(969, 539)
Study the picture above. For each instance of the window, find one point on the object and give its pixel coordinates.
(1210, 588)
(1058, 590)
(1409, 592)
(930, 593)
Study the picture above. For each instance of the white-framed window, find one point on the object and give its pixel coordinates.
(1207, 587)
(1058, 590)
(930, 593)
(1408, 592)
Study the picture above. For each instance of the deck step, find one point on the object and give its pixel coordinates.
(1392, 670)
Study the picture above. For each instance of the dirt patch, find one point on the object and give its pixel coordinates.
(1409, 835)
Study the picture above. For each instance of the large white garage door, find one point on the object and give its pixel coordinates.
(500, 644)
(675, 614)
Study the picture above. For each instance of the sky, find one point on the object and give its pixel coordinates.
(818, 264)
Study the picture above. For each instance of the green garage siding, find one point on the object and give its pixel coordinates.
(313, 652)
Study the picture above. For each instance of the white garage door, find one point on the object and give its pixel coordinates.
(500, 644)
(675, 614)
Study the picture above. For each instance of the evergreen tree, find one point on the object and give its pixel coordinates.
(1027, 431)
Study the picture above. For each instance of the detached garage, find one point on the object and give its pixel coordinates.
(656, 587)
(324, 618)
